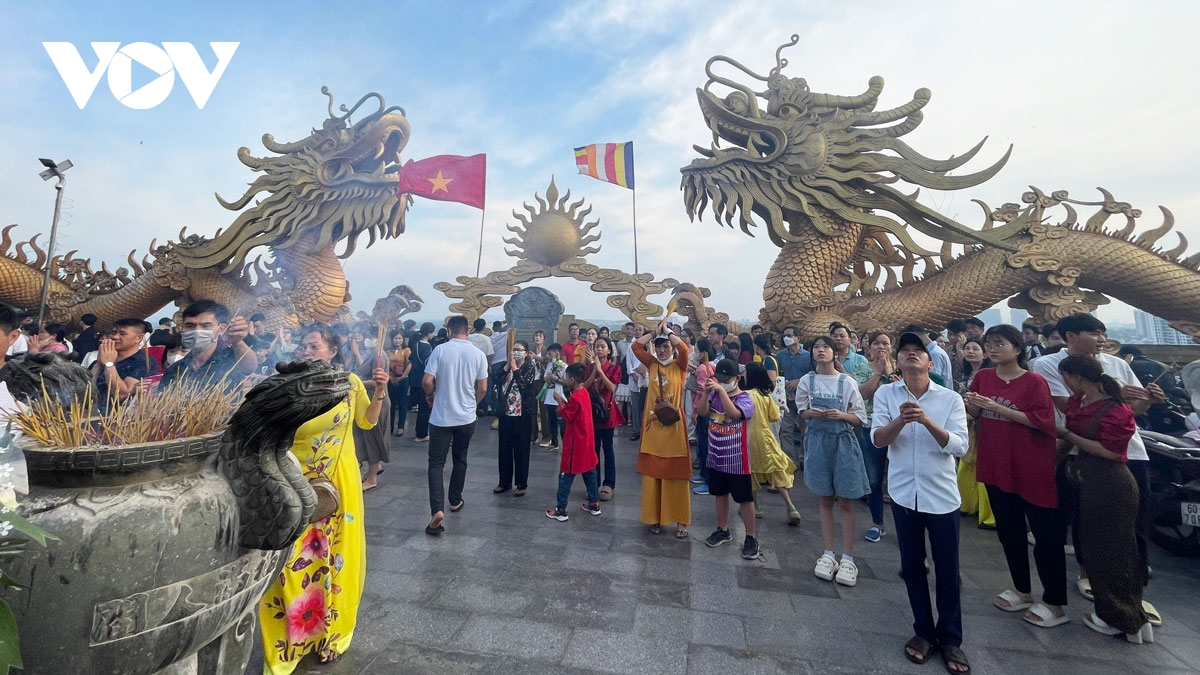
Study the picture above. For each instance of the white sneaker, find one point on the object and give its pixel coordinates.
(847, 574)
(826, 567)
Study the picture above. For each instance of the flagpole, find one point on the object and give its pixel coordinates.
(635, 254)
(479, 260)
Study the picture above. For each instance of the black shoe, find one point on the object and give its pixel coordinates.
(718, 537)
(750, 548)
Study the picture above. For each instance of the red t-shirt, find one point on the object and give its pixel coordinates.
(579, 437)
(1116, 426)
(1012, 456)
(569, 348)
(613, 371)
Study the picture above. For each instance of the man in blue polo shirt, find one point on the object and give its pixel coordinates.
(794, 362)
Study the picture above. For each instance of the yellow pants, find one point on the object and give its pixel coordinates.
(974, 494)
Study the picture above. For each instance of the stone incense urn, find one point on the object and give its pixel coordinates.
(165, 548)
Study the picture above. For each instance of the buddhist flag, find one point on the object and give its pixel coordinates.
(611, 162)
(448, 178)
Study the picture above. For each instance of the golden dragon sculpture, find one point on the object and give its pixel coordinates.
(319, 193)
(819, 172)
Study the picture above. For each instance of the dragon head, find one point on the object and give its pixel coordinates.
(332, 186)
(791, 153)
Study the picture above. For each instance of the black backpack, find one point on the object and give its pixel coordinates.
(599, 409)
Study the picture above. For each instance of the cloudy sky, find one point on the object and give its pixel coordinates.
(1089, 93)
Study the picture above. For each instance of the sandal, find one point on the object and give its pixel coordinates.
(681, 533)
(1042, 616)
(606, 493)
(1085, 588)
(955, 656)
(921, 646)
(329, 656)
(656, 529)
(499, 488)
(519, 492)
(1152, 614)
(455, 508)
(1013, 602)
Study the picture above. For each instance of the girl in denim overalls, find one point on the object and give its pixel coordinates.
(833, 464)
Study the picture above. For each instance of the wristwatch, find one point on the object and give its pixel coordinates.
(109, 364)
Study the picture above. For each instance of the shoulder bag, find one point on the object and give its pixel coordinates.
(664, 411)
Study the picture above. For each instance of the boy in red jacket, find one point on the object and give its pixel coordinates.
(578, 444)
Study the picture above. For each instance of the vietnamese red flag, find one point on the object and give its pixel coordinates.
(449, 178)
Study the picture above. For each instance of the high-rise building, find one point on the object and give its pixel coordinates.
(1017, 317)
(1156, 331)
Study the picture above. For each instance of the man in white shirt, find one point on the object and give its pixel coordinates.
(455, 381)
(924, 427)
(1085, 334)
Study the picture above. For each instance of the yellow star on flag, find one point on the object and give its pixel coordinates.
(440, 182)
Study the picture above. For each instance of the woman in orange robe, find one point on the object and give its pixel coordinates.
(664, 457)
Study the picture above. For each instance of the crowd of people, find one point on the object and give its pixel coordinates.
(1031, 428)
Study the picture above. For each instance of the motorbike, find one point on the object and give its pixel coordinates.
(1174, 512)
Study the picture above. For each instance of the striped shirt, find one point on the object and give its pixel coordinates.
(729, 440)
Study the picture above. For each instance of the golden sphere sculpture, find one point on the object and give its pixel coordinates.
(553, 233)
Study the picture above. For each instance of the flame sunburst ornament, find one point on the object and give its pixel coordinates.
(553, 233)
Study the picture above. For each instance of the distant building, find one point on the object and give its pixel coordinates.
(1156, 331)
(991, 317)
(1018, 317)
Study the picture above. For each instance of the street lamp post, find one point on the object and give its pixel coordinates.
(52, 170)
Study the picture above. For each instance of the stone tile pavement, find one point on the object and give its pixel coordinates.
(507, 590)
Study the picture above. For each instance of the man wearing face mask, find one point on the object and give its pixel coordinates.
(794, 362)
(208, 361)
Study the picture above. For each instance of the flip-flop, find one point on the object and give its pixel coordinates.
(655, 529)
(1013, 600)
(455, 508)
(681, 533)
(1046, 618)
(519, 492)
(920, 645)
(368, 488)
(499, 489)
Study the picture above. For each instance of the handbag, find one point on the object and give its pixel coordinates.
(664, 411)
(329, 500)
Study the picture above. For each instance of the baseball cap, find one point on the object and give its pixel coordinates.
(726, 368)
(910, 339)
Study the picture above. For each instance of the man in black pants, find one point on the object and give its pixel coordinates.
(455, 381)
(924, 427)
(421, 351)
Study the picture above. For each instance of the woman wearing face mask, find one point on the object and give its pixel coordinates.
(517, 408)
(51, 339)
(336, 544)
(664, 458)
(974, 493)
(602, 378)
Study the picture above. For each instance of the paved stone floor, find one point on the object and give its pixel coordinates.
(506, 589)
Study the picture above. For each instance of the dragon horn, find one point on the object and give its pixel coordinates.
(874, 89)
(920, 98)
(269, 143)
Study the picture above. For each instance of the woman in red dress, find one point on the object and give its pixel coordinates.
(1099, 425)
(602, 378)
